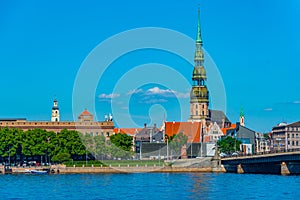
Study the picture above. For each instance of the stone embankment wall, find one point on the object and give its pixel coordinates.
(82, 170)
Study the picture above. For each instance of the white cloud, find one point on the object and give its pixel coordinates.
(157, 90)
(167, 92)
(108, 96)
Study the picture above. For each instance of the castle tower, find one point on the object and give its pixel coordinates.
(199, 96)
(242, 118)
(55, 112)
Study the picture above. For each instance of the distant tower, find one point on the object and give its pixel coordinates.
(55, 112)
(242, 118)
(199, 96)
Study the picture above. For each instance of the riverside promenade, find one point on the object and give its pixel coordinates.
(176, 166)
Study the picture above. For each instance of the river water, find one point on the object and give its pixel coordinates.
(150, 186)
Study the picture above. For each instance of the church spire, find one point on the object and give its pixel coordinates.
(242, 117)
(199, 38)
(199, 96)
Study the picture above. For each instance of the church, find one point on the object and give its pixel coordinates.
(204, 125)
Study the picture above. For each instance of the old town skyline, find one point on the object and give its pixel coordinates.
(255, 54)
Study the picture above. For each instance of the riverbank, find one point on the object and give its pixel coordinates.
(62, 169)
(185, 165)
(89, 170)
(84, 170)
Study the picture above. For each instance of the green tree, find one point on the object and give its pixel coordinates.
(101, 148)
(228, 145)
(61, 157)
(122, 141)
(177, 142)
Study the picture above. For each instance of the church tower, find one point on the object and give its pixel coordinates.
(199, 96)
(55, 112)
(242, 118)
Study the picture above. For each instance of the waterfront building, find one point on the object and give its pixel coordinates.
(286, 136)
(146, 137)
(245, 135)
(192, 130)
(213, 133)
(85, 124)
(262, 144)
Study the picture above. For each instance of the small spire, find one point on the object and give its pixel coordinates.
(199, 38)
(242, 112)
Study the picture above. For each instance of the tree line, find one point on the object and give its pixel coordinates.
(18, 146)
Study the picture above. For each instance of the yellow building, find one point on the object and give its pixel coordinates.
(85, 124)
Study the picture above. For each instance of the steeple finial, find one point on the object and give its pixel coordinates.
(199, 38)
(241, 112)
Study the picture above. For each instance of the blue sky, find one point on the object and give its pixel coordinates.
(254, 43)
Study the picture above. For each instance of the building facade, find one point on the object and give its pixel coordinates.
(245, 135)
(85, 124)
(262, 144)
(285, 136)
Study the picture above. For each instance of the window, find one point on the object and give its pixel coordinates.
(292, 135)
(196, 112)
(293, 143)
(288, 136)
(296, 135)
(107, 134)
(296, 143)
(196, 106)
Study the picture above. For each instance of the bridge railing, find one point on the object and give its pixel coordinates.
(265, 153)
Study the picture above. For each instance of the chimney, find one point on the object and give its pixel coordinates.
(154, 125)
(145, 125)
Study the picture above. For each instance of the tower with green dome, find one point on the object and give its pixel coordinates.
(199, 96)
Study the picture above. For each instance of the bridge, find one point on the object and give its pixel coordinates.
(277, 163)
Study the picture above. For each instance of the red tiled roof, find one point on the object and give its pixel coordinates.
(85, 112)
(233, 126)
(190, 129)
(130, 131)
